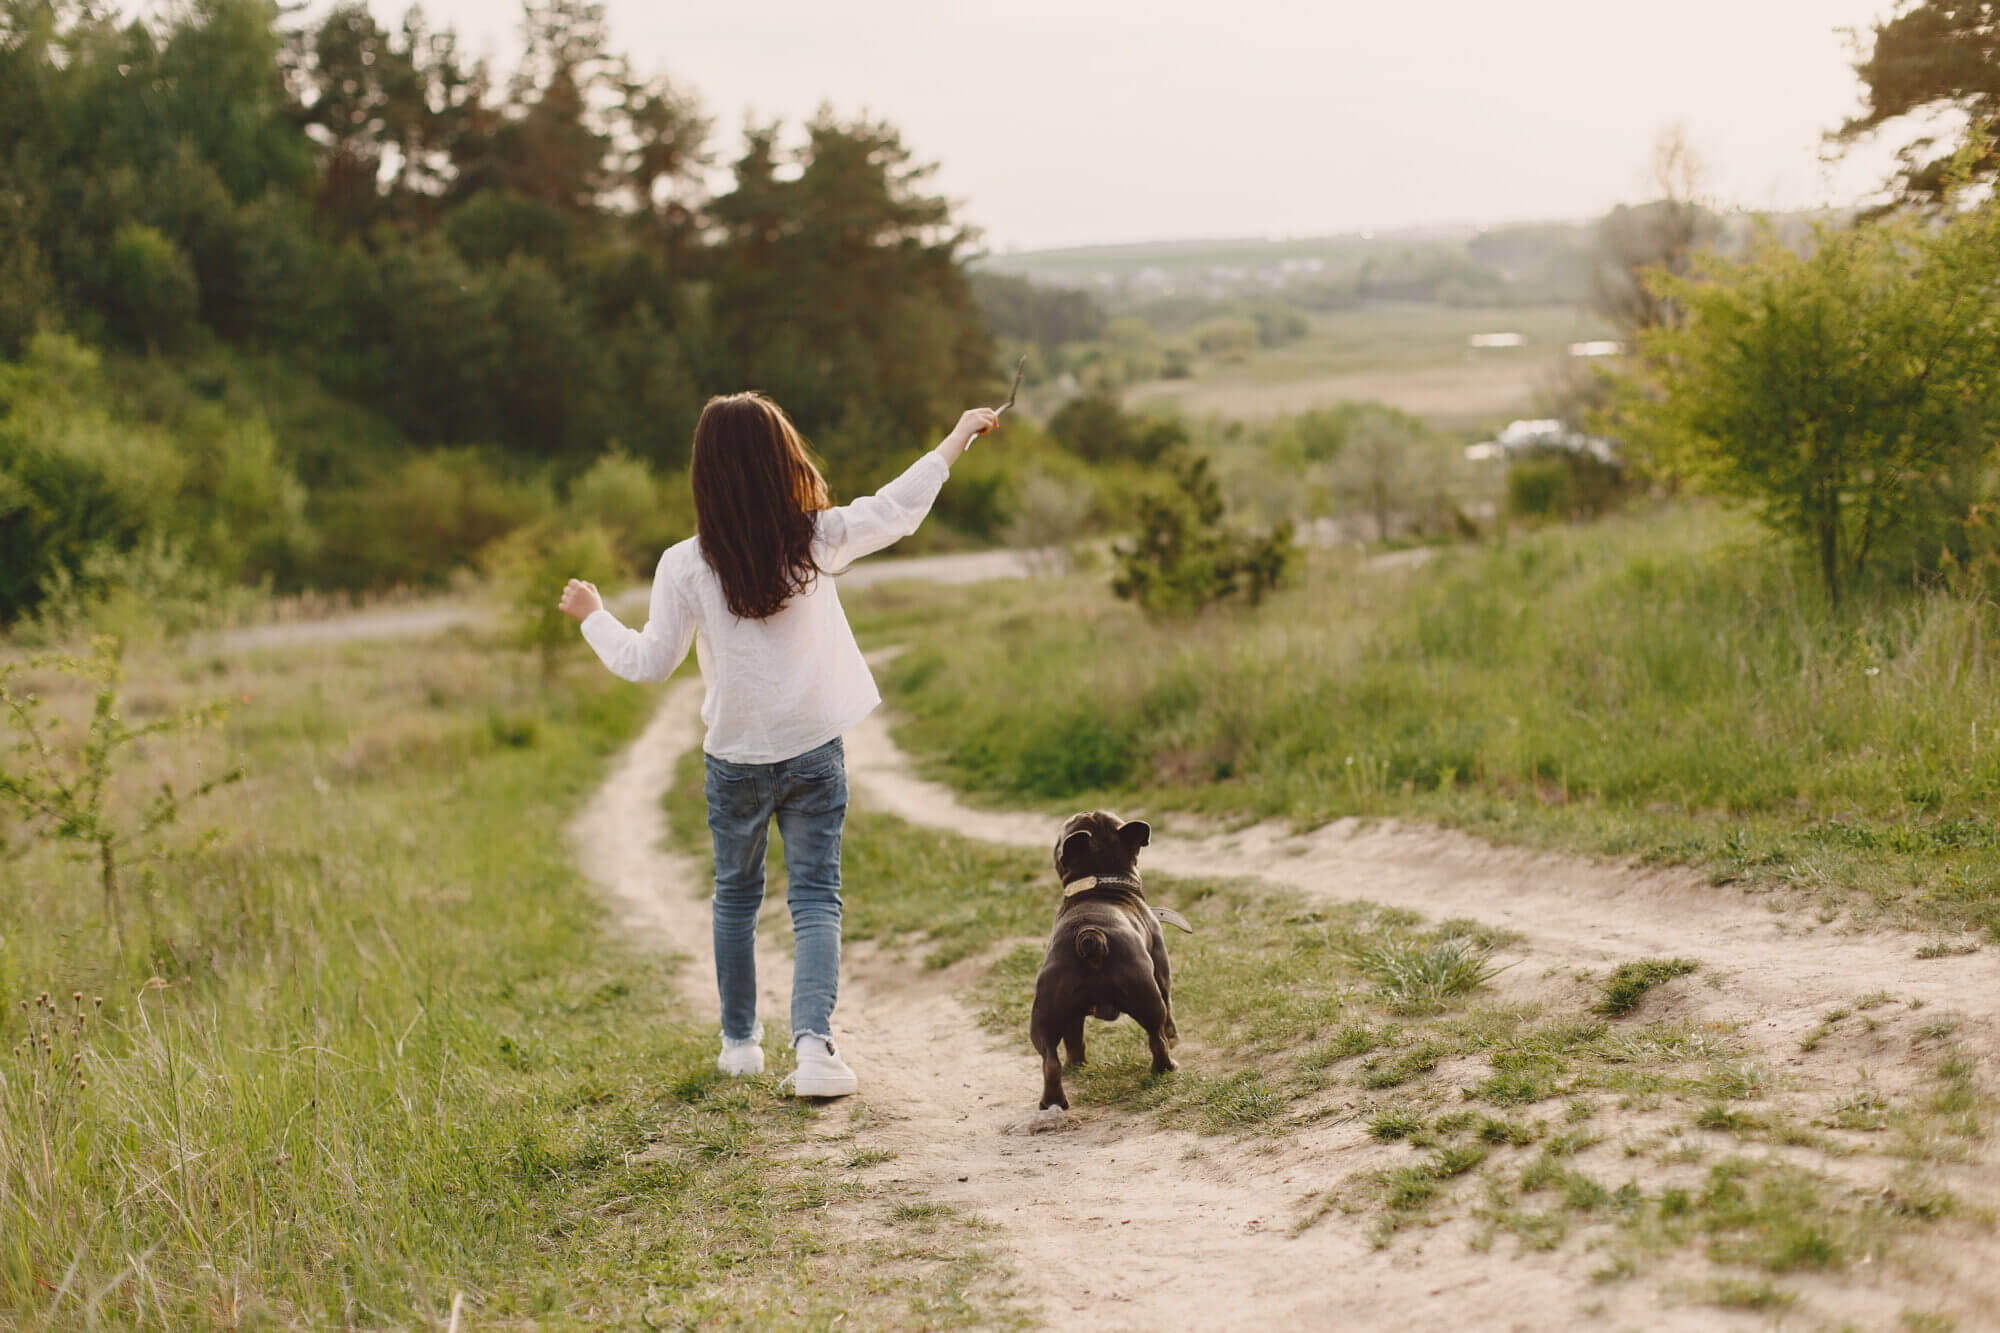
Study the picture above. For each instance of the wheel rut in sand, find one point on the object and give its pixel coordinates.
(1120, 1224)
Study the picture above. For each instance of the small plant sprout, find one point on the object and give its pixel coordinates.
(66, 796)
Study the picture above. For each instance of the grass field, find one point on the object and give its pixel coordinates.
(368, 1055)
(369, 1058)
(1414, 357)
(1663, 686)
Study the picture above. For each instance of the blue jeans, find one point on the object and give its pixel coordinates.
(808, 795)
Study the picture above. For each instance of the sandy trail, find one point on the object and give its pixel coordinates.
(1118, 1224)
(1574, 913)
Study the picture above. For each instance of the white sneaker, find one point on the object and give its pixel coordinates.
(821, 1072)
(743, 1059)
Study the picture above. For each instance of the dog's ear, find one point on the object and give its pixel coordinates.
(1135, 834)
(1074, 848)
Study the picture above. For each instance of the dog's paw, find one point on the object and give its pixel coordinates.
(1049, 1120)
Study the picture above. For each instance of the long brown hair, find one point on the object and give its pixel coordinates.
(755, 494)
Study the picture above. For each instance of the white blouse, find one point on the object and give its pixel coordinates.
(793, 681)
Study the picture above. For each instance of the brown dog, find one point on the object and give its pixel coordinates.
(1106, 956)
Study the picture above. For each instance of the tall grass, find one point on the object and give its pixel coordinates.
(1665, 684)
(373, 1056)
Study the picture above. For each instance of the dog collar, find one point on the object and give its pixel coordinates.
(1089, 882)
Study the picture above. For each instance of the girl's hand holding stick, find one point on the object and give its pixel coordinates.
(979, 420)
(976, 422)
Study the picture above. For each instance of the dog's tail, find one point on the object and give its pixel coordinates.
(1092, 946)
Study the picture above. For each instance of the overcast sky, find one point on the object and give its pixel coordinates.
(1060, 122)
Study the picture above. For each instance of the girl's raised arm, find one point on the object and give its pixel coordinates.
(898, 509)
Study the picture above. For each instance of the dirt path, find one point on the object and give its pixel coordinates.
(1117, 1224)
(1575, 913)
(1109, 1226)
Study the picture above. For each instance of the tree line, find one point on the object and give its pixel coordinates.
(366, 243)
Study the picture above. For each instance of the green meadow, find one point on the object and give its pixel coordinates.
(1665, 686)
(367, 1055)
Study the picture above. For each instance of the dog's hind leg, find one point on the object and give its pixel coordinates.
(1052, 1088)
(1074, 1040)
(1164, 980)
(1149, 1010)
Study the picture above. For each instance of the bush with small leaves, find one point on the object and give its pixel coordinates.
(527, 569)
(1185, 558)
(66, 796)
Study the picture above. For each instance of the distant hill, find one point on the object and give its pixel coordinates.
(1512, 264)
(1529, 263)
(1091, 265)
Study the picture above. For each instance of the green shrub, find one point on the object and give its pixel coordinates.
(152, 300)
(76, 479)
(527, 570)
(1226, 337)
(150, 591)
(1054, 752)
(1561, 484)
(1128, 352)
(1776, 387)
(1539, 488)
(98, 463)
(241, 512)
(1096, 428)
(1278, 325)
(1183, 557)
(1391, 466)
(430, 515)
(643, 513)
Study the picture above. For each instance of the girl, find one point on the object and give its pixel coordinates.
(784, 680)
